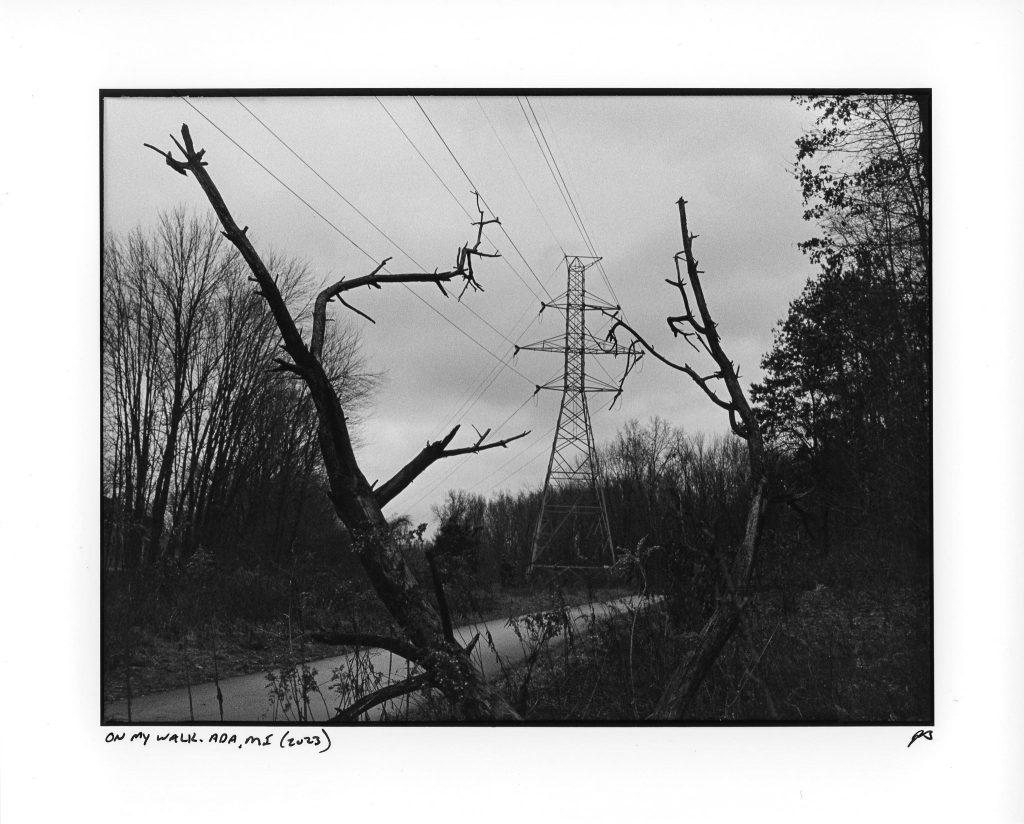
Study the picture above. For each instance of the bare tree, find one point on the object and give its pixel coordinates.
(193, 430)
(132, 328)
(186, 277)
(697, 327)
(427, 643)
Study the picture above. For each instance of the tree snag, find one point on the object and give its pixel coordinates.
(447, 666)
(701, 332)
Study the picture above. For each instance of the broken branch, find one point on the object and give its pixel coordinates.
(370, 641)
(377, 697)
(702, 382)
(428, 455)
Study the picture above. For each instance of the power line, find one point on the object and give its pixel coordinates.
(458, 202)
(501, 363)
(522, 466)
(579, 226)
(305, 202)
(411, 291)
(357, 211)
(477, 386)
(490, 376)
(541, 441)
(486, 205)
(430, 166)
(480, 389)
(476, 188)
(583, 226)
(547, 162)
(579, 213)
(570, 203)
(487, 381)
(520, 176)
(554, 160)
(449, 148)
(327, 183)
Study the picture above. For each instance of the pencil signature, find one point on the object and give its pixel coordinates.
(921, 734)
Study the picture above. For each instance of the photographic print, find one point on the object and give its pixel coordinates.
(520, 406)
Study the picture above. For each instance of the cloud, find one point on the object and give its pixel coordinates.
(625, 160)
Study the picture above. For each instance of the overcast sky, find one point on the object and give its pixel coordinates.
(626, 160)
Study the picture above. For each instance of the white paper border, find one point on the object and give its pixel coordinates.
(54, 59)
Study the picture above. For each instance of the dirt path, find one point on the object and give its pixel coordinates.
(246, 698)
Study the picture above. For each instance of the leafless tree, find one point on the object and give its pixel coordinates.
(357, 503)
(193, 429)
(697, 327)
(132, 328)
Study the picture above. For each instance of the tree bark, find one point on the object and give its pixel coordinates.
(355, 502)
(687, 677)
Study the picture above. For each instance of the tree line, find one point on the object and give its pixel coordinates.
(846, 396)
(662, 486)
(202, 447)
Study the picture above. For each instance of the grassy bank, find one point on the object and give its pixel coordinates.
(832, 655)
(842, 637)
(161, 632)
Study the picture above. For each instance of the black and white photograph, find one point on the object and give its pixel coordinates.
(549, 411)
(475, 408)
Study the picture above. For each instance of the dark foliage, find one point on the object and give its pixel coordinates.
(846, 397)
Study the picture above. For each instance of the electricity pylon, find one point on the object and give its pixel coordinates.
(572, 528)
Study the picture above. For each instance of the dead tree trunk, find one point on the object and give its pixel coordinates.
(698, 328)
(358, 505)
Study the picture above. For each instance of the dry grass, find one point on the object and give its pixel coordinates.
(155, 658)
(836, 656)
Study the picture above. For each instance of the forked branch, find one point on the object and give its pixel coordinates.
(699, 326)
(193, 162)
(701, 381)
(434, 452)
(467, 252)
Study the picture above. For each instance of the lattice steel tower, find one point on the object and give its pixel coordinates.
(572, 528)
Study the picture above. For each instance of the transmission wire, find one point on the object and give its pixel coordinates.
(484, 201)
(415, 294)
